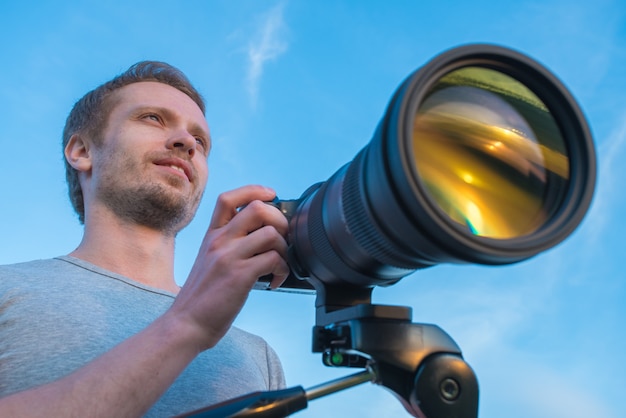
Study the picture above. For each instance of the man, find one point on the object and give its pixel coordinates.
(105, 331)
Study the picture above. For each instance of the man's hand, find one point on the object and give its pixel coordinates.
(240, 246)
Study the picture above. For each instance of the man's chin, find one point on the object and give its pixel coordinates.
(155, 207)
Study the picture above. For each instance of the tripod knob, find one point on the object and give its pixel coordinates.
(445, 387)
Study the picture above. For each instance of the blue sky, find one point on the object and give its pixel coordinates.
(294, 89)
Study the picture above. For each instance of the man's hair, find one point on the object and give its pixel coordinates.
(90, 114)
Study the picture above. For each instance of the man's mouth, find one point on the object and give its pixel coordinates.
(175, 167)
(178, 165)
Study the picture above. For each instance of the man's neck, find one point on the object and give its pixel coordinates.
(137, 252)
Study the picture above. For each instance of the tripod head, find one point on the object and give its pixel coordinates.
(420, 363)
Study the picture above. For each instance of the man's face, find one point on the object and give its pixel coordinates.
(151, 166)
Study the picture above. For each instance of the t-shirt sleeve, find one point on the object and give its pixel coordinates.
(276, 372)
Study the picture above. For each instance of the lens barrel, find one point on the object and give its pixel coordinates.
(483, 156)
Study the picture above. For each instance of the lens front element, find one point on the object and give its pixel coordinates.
(489, 153)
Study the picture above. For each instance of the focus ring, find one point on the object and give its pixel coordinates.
(361, 225)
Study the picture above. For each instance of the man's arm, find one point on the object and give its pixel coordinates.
(239, 247)
(123, 382)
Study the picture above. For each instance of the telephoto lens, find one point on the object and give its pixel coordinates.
(482, 156)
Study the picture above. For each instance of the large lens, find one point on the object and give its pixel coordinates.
(486, 149)
(482, 157)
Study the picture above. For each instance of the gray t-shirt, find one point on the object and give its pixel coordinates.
(57, 315)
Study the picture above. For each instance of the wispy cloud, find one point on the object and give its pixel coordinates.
(267, 44)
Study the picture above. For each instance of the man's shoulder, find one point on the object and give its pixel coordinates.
(34, 274)
(246, 336)
(26, 264)
(74, 275)
(238, 339)
(29, 267)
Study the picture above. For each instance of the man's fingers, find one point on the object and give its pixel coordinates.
(229, 202)
(259, 214)
(267, 239)
(272, 264)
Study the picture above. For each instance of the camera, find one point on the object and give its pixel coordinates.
(482, 156)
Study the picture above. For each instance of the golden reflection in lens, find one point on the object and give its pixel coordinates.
(484, 148)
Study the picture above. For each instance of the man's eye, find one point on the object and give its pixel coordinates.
(152, 116)
(205, 144)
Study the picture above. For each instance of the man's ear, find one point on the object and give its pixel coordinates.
(77, 153)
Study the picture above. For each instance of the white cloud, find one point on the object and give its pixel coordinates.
(267, 45)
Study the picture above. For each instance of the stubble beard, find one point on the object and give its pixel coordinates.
(153, 204)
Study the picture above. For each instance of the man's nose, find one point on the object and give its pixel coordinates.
(183, 141)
